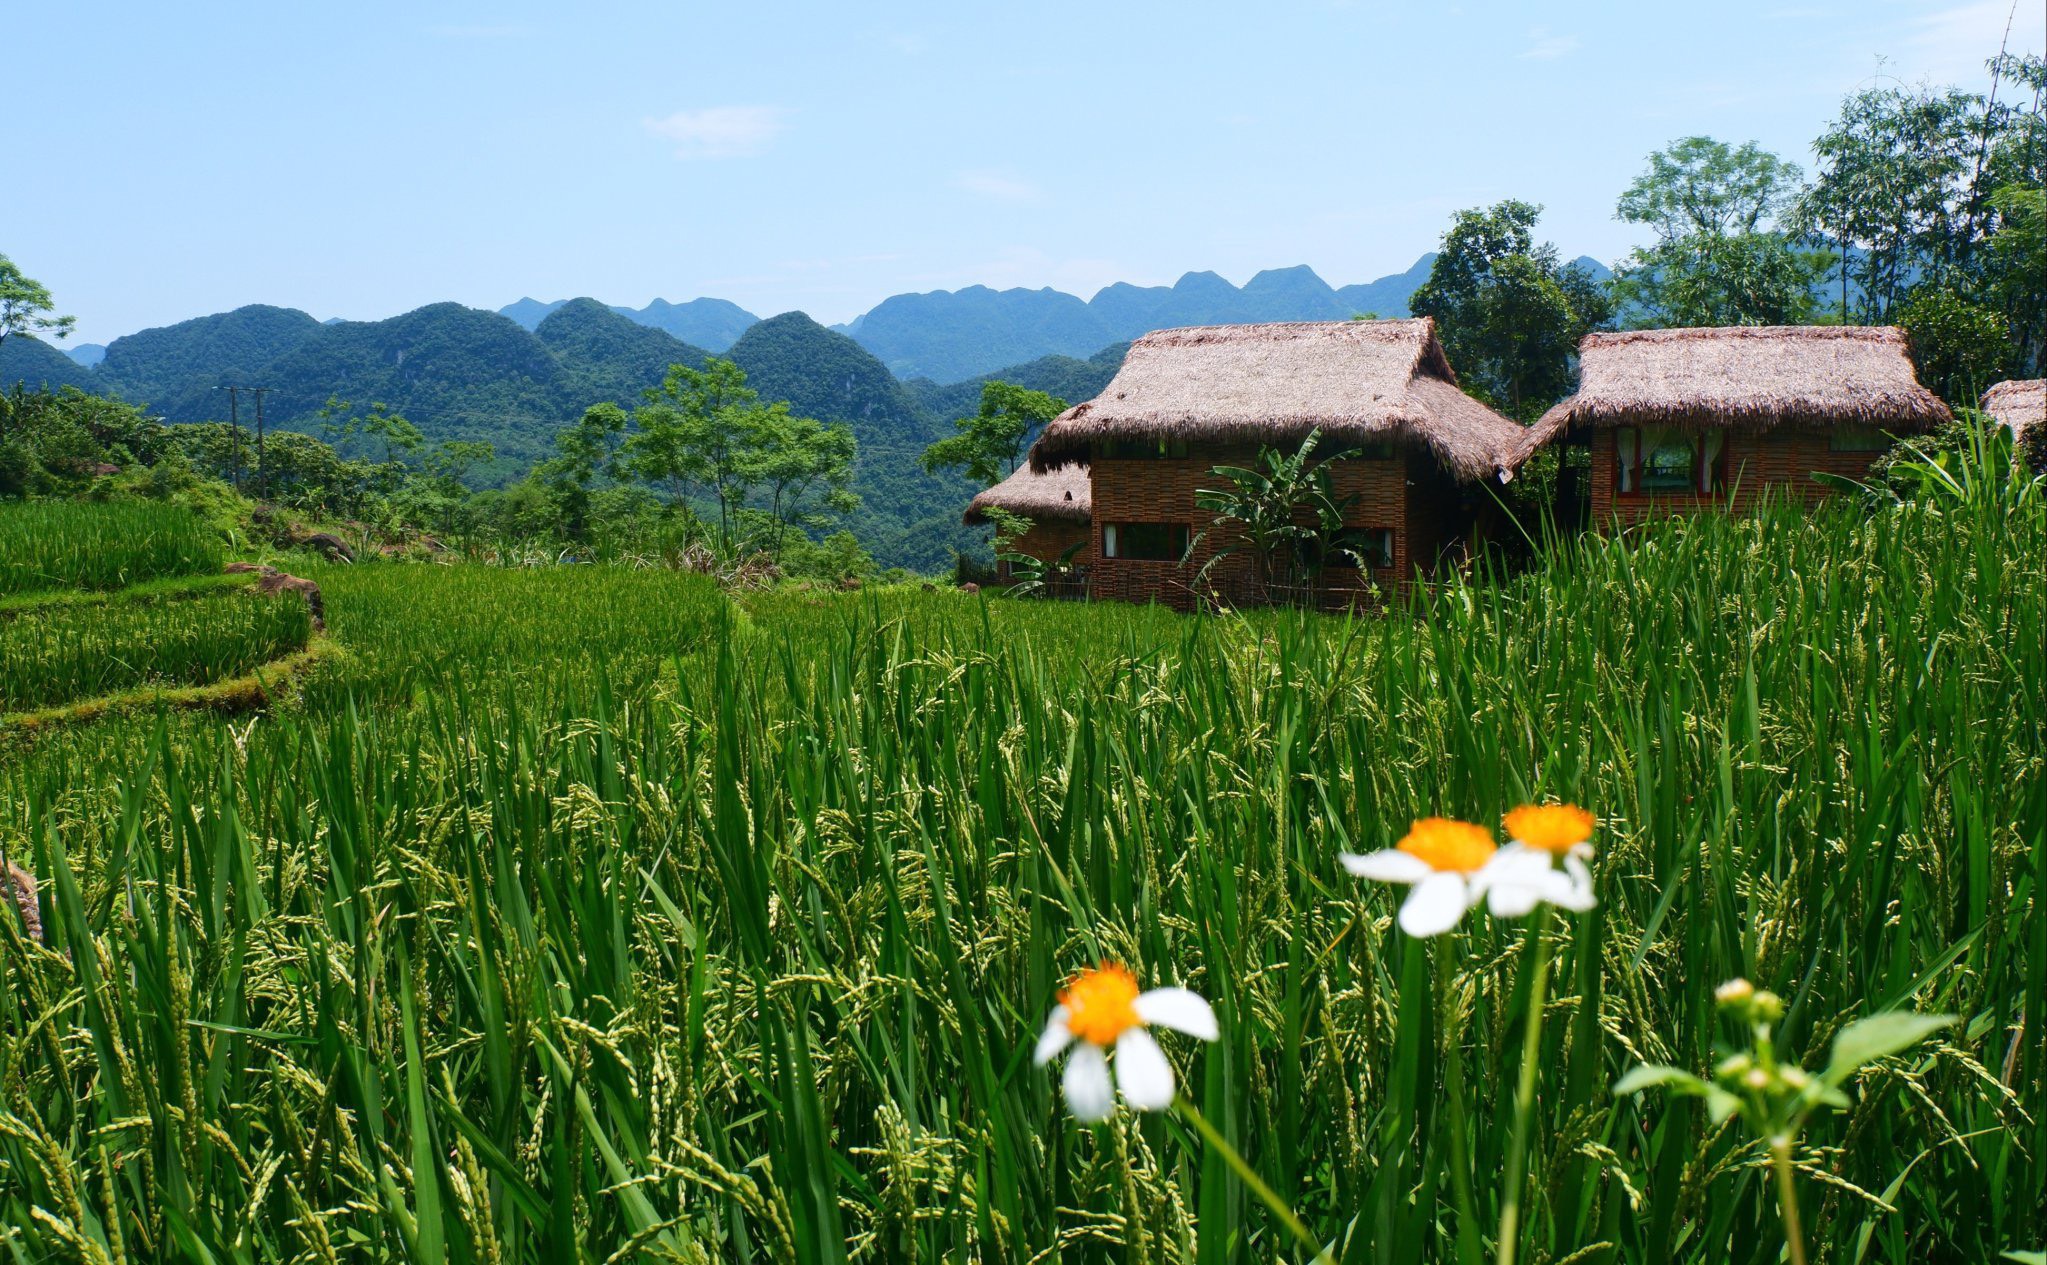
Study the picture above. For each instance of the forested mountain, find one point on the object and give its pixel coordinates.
(1070, 379)
(713, 324)
(608, 356)
(174, 360)
(33, 363)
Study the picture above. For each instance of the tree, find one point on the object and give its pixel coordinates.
(801, 467)
(1718, 257)
(584, 453)
(690, 436)
(991, 442)
(1510, 316)
(26, 306)
(1959, 347)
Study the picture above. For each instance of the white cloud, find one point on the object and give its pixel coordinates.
(1543, 46)
(720, 131)
(998, 186)
(1951, 45)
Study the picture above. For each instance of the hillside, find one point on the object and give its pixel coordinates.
(907, 518)
(607, 356)
(172, 360)
(34, 364)
(713, 324)
(1070, 379)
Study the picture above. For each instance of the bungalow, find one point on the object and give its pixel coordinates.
(1413, 449)
(1055, 502)
(2019, 406)
(1684, 419)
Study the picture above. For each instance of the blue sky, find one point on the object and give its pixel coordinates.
(361, 159)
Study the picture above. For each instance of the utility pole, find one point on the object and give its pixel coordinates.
(262, 468)
(234, 430)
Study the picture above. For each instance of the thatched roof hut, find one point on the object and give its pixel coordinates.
(2019, 404)
(1357, 381)
(1753, 377)
(1049, 495)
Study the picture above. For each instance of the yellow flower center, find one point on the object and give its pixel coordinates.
(1444, 843)
(1101, 1004)
(1552, 827)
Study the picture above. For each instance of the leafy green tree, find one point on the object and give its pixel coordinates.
(691, 436)
(1718, 257)
(1283, 515)
(26, 306)
(584, 453)
(1509, 314)
(991, 442)
(1959, 347)
(801, 467)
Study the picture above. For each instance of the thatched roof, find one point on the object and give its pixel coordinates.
(1049, 494)
(1754, 377)
(1272, 384)
(2018, 404)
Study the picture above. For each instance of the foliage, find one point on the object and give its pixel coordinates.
(26, 306)
(1510, 316)
(76, 544)
(1959, 348)
(993, 440)
(586, 911)
(1284, 515)
(70, 653)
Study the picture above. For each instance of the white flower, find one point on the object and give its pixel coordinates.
(1101, 1009)
(1541, 833)
(1443, 860)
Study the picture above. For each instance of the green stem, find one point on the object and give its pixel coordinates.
(1246, 1174)
(1524, 1095)
(1787, 1199)
(1468, 1247)
(1133, 1211)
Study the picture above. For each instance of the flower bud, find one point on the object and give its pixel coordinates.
(1735, 992)
(1734, 1066)
(1768, 1006)
(1756, 1079)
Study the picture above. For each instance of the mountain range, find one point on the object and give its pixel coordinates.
(897, 375)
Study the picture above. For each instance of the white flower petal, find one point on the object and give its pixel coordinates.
(1435, 905)
(1512, 899)
(1142, 1072)
(1389, 866)
(1180, 1009)
(1574, 887)
(1089, 1094)
(1056, 1037)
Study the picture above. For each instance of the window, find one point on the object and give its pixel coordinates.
(1664, 459)
(1858, 439)
(1145, 542)
(1360, 546)
(1140, 450)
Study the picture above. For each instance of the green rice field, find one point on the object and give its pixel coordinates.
(591, 914)
(84, 545)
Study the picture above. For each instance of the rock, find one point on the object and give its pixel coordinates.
(244, 568)
(970, 588)
(850, 584)
(24, 886)
(327, 545)
(275, 581)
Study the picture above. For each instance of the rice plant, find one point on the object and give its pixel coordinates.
(92, 545)
(69, 653)
(726, 932)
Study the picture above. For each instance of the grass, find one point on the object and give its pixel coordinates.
(69, 653)
(584, 915)
(87, 545)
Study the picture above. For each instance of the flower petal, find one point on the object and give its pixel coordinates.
(1435, 905)
(1510, 898)
(1142, 1072)
(1056, 1037)
(1089, 1094)
(1574, 887)
(1181, 1009)
(1389, 866)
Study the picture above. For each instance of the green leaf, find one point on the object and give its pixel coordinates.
(1650, 1075)
(1879, 1036)
(1720, 1104)
(2025, 1258)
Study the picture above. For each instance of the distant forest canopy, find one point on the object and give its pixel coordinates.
(1926, 208)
